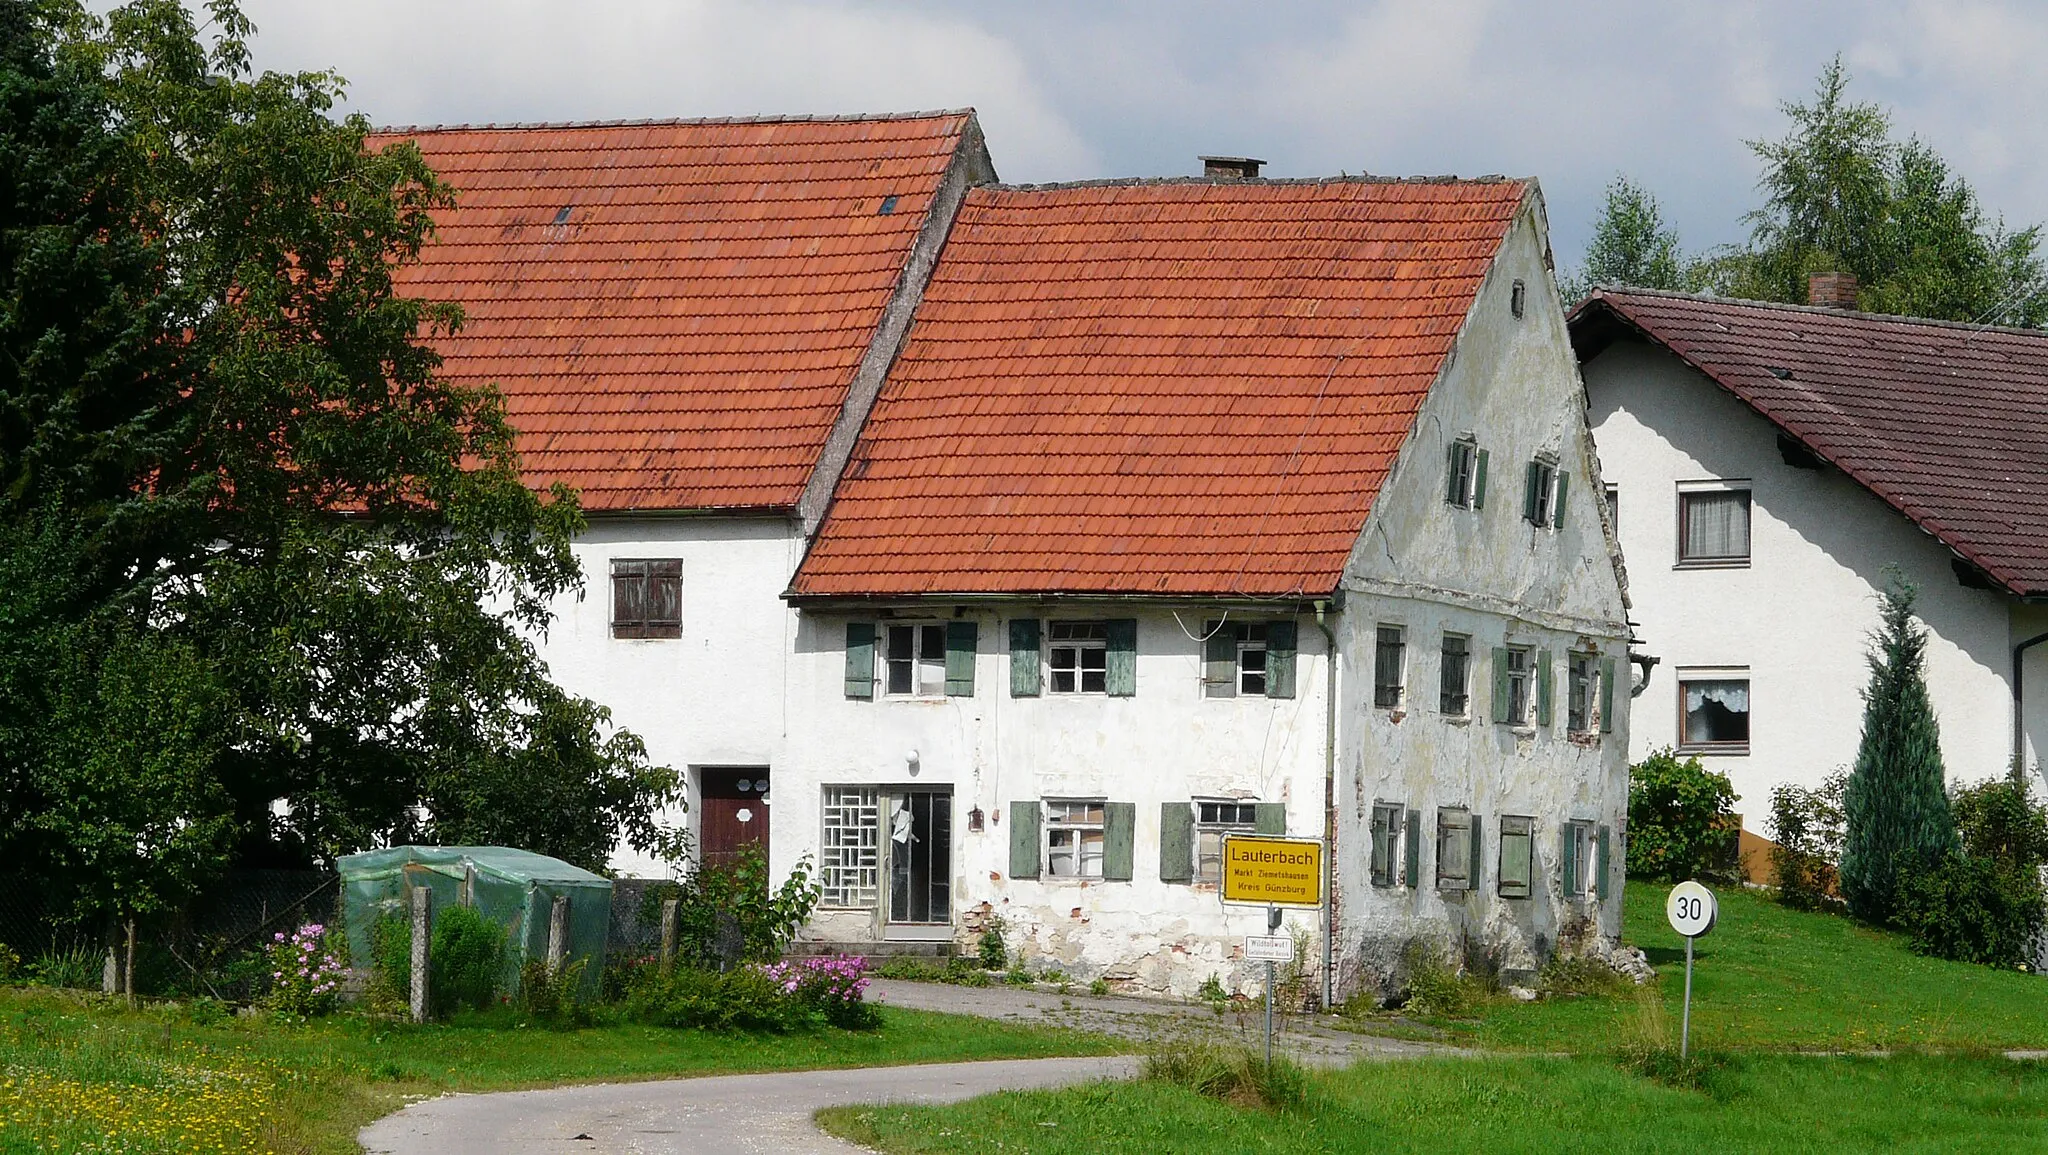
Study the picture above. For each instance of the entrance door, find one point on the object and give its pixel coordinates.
(732, 813)
(917, 828)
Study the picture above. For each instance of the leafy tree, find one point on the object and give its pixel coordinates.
(1631, 245)
(260, 551)
(1681, 820)
(1895, 807)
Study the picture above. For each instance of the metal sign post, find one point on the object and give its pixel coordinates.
(1691, 910)
(1272, 872)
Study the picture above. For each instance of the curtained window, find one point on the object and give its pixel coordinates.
(1716, 712)
(1713, 526)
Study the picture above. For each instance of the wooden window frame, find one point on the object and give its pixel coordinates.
(1452, 821)
(1210, 824)
(1095, 642)
(1732, 748)
(1522, 827)
(1582, 692)
(1389, 820)
(1690, 490)
(1524, 679)
(1461, 697)
(1461, 482)
(1052, 824)
(927, 671)
(1389, 693)
(1543, 515)
(646, 573)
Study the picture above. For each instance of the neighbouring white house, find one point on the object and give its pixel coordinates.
(1765, 465)
(688, 320)
(1194, 507)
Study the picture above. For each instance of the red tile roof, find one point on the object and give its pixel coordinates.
(1948, 423)
(1173, 388)
(673, 310)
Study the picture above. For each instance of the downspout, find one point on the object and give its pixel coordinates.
(1330, 807)
(2019, 728)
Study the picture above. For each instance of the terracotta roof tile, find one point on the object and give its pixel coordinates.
(1179, 388)
(1948, 423)
(673, 310)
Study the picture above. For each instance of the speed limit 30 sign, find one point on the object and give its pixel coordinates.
(1691, 909)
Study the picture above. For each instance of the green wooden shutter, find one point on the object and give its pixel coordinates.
(1024, 658)
(1120, 672)
(1269, 817)
(1500, 683)
(1607, 695)
(1476, 868)
(1219, 660)
(860, 659)
(1451, 492)
(1479, 483)
(1531, 483)
(1176, 842)
(1380, 860)
(961, 640)
(1568, 858)
(1600, 863)
(1119, 840)
(1414, 836)
(1545, 688)
(1281, 643)
(1024, 839)
(1557, 510)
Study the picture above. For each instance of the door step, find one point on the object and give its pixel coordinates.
(890, 948)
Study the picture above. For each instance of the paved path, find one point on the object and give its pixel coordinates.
(1145, 1020)
(718, 1115)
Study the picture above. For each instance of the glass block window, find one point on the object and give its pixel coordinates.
(849, 856)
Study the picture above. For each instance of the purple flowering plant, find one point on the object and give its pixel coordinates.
(831, 985)
(305, 975)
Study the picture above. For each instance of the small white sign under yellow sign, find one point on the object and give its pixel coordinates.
(1272, 871)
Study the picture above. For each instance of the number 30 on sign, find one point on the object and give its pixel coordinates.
(1691, 909)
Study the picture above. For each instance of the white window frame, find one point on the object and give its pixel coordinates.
(927, 671)
(1254, 661)
(1083, 819)
(1215, 818)
(1461, 486)
(1389, 694)
(1546, 492)
(1386, 851)
(1521, 680)
(1687, 490)
(1464, 681)
(1585, 848)
(1094, 640)
(850, 848)
(1587, 708)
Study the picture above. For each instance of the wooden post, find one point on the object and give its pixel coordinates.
(558, 934)
(669, 908)
(422, 936)
(128, 972)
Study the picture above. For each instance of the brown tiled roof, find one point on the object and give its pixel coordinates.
(1173, 388)
(674, 309)
(1948, 423)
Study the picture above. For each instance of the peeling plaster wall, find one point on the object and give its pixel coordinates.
(714, 696)
(1799, 615)
(1167, 743)
(1433, 568)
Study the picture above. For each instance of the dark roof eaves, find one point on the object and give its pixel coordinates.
(1610, 291)
(646, 122)
(1231, 182)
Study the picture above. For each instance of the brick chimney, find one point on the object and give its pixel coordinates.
(1831, 290)
(1230, 167)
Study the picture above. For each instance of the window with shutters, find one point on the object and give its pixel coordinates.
(1713, 524)
(1214, 819)
(849, 851)
(1614, 509)
(1453, 848)
(647, 598)
(1579, 858)
(1387, 820)
(1454, 676)
(1521, 678)
(1389, 662)
(1517, 856)
(1582, 692)
(1540, 504)
(1074, 838)
(1078, 657)
(914, 661)
(1247, 659)
(1461, 484)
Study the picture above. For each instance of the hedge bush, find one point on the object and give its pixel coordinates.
(1681, 820)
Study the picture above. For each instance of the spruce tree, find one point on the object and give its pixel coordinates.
(1896, 805)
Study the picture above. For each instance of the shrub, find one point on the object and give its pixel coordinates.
(556, 999)
(994, 953)
(741, 999)
(466, 961)
(2000, 821)
(831, 986)
(759, 921)
(77, 966)
(1680, 820)
(1971, 910)
(621, 971)
(305, 975)
(1807, 825)
(1212, 990)
(391, 958)
(1433, 987)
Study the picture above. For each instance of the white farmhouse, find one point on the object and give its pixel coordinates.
(1211, 506)
(1765, 464)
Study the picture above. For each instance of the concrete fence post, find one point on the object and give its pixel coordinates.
(110, 972)
(669, 909)
(558, 934)
(422, 937)
(128, 971)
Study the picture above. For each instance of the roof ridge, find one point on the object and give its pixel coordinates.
(1149, 181)
(1823, 310)
(639, 122)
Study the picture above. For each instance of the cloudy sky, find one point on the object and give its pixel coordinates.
(1572, 93)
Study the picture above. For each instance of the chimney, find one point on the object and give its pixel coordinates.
(1230, 167)
(1831, 290)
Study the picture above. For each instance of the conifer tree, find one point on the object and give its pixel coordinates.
(1896, 806)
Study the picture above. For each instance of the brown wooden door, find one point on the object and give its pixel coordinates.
(732, 813)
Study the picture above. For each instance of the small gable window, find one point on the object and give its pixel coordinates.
(1518, 299)
(1543, 493)
(1465, 475)
(647, 598)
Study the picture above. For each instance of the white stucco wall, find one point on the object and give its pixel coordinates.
(1799, 615)
(1166, 743)
(714, 696)
(1434, 568)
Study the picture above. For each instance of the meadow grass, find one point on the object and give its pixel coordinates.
(80, 1074)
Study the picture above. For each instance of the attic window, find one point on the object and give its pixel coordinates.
(888, 206)
(562, 217)
(1518, 299)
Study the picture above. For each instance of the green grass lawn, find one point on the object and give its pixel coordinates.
(1767, 982)
(81, 1075)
